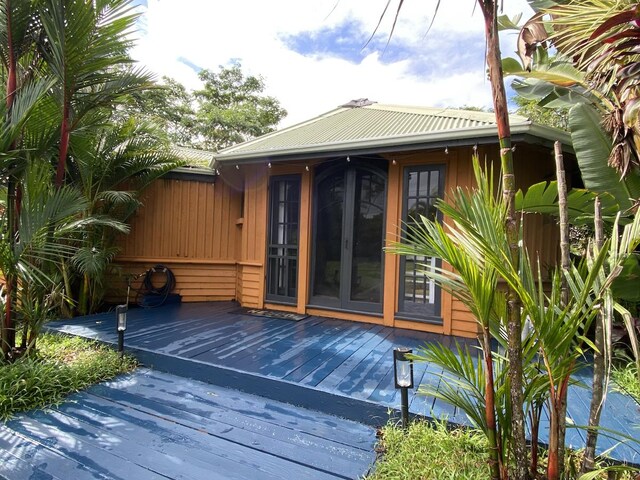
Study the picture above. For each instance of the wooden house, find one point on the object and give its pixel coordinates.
(296, 220)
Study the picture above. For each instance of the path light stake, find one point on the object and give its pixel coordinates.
(403, 375)
(121, 316)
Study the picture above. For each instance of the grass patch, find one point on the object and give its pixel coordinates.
(62, 365)
(431, 451)
(626, 378)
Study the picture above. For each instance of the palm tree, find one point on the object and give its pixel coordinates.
(111, 166)
(475, 243)
(50, 218)
(85, 48)
(474, 282)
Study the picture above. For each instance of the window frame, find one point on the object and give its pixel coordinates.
(401, 313)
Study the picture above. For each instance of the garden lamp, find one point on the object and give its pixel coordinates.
(121, 316)
(403, 377)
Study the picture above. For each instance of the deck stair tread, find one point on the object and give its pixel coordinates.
(149, 425)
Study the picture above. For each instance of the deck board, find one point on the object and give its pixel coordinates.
(150, 425)
(335, 366)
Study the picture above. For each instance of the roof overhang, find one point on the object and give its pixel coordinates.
(528, 133)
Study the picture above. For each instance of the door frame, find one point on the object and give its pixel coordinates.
(379, 167)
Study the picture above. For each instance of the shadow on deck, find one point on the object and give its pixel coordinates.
(333, 366)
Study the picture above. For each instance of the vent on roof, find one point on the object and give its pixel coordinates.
(360, 102)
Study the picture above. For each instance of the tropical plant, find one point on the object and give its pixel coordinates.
(489, 9)
(475, 283)
(49, 223)
(111, 166)
(475, 244)
(65, 68)
(84, 47)
(595, 74)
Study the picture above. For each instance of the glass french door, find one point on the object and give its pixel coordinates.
(349, 217)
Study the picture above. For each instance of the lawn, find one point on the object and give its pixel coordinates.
(62, 365)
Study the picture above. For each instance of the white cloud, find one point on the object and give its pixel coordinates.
(210, 33)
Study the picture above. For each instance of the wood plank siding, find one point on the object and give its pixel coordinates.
(190, 227)
(214, 237)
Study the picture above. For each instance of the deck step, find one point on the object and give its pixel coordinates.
(152, 425)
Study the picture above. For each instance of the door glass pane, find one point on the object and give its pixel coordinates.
(368, 221)
(328, 247)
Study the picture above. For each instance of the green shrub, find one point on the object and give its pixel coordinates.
(62, 365)
(428, 451)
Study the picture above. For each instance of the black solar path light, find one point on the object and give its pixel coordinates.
(121, 316)
(403, 376)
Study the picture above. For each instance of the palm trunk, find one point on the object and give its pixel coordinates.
(565, 260)
(552, 465)
(84, 296)
(514, 323)
(490, 409)
(8, 333)
(64, 145)
(597, 393)
(536, 412)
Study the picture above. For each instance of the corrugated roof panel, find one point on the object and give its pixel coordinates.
(358, 124)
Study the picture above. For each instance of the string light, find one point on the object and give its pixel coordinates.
(306, 167)
(348, 159)
(237, 167)
(269, 164)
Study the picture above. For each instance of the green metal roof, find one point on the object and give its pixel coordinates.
(199, 162)
(365, 126)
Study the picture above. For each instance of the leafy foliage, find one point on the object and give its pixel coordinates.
(543, 198)
(230, 108)
(66, 68)
(63, 365)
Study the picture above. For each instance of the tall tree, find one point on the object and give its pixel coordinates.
(171, 106)
(19, 29)
(232, 108)
(489, 10)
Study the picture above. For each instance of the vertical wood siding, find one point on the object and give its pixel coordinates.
(190, 227)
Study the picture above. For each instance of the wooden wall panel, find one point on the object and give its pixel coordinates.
(184, 219)
(251, 278)
(190, 227)
(196, 282)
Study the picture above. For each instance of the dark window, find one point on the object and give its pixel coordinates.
(282, 253)
(419, 296)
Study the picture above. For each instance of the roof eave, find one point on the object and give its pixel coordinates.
(450, 138)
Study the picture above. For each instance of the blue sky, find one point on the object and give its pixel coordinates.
(314, 55)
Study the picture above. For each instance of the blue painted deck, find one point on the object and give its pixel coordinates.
(152, 425)
(337, 367)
